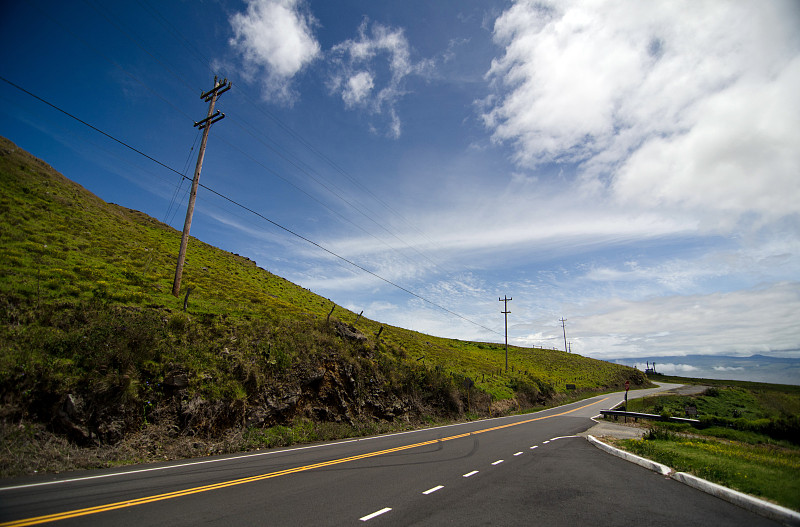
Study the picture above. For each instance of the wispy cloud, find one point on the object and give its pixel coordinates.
(356, 67)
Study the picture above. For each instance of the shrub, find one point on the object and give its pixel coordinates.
(657, 433)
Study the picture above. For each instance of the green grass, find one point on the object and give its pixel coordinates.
(62, 246)
(767, 471)
(752, 413)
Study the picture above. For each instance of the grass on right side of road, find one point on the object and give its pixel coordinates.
(767, 471)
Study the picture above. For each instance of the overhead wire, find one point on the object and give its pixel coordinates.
(135, 42)
(321, 203)
(178, 187)
(300, 139)
(276, 149)
(309, 195)
(248, 209)
(288, 157)
(368, 214)
(112, 62)
(109, 19)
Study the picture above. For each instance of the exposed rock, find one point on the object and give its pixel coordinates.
(69, 417)
(349, 332)
(177, 380)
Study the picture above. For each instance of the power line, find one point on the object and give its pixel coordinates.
(121, 30)
(154, 160)
(179, 186)
(286, 155)
(112, 62)
(344, 173)
(310, 196)
(345, 259)
(244, 207)
(299, 138)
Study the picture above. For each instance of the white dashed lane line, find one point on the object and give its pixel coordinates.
(440, 487)
(374, 514)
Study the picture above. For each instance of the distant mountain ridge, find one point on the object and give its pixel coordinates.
(757, 368)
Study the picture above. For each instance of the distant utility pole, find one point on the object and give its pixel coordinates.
(564, 327)
(210, 97)
(506, 312)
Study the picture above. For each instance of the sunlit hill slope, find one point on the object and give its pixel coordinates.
(95, 348)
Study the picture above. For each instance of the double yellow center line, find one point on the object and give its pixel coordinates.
(196, 490)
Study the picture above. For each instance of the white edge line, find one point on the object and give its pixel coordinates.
(468, 474)
(376, 513)
(272, 452)
(434, 489)
(562, 437)
(168, 467)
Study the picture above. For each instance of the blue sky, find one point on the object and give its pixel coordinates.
(633, 167)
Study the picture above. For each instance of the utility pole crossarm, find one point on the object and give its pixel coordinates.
(210, 97)
(208, 121)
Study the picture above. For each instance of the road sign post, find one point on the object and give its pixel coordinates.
(627, 387)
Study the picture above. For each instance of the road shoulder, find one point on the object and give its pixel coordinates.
(761, 507)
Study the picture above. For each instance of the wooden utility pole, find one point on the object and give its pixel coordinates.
(505, 312)
(211, 98)
(564, 327)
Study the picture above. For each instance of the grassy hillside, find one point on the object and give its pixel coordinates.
(95, 347)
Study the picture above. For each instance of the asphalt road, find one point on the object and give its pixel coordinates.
(519, 470)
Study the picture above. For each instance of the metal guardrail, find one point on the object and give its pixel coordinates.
(652, 417)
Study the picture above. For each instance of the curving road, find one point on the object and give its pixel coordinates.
(520, 470)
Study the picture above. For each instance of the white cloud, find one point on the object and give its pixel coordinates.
(355, 71)
(760, 319)
(742, 154)
(275, 40)
(680, 105)
(357, 89)
(728, 368)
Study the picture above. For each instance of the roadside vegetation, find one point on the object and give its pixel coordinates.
(101, 365)
(747, 437)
